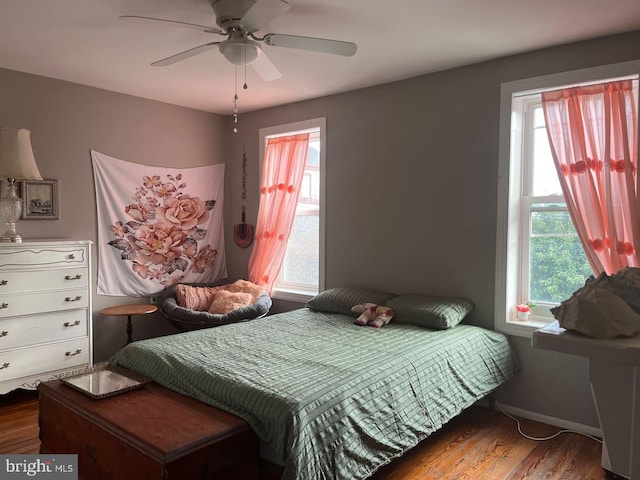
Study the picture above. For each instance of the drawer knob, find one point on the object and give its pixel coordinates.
(71, 354)
(4, 305)
(69, 324)
(4, 282)
(76, 277)
(5, 365)
(69, 299)
(72, 256)
(4, 333)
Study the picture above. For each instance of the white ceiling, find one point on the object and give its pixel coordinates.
(83, 41)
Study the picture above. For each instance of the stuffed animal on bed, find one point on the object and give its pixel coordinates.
(375, 316)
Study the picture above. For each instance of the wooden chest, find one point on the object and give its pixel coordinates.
(151, 433)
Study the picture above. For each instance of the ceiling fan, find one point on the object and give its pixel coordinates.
(239, 20)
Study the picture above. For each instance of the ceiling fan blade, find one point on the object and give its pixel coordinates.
(262, 13)
(265, 68)
(203, 28)
(322, 45)
(178, 57)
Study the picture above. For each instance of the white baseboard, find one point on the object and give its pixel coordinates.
(556, 422)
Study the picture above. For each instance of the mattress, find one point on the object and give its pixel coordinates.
(332, 400)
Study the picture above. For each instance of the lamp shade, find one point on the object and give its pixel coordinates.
(16, 156)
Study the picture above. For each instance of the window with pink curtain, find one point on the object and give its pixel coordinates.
(282, 172)
(593, 132)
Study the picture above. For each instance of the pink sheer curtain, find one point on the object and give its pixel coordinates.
(593, 133)
(282, 172)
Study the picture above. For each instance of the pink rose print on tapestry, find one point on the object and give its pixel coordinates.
(162, 234)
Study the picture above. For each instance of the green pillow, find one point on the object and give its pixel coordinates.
(340, 300)
(431, 312)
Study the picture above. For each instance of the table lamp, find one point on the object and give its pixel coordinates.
(16, 163)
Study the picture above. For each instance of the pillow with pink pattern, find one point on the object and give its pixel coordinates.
(194, 298)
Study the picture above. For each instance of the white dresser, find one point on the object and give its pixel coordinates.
(45, 311)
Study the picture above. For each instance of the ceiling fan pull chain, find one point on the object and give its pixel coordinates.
(235, 100)
(245, 63)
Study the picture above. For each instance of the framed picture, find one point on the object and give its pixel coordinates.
(40, 200)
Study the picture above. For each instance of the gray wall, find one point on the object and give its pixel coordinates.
(67, 121)
(412, 191)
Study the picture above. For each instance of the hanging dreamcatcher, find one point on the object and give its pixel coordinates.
(243, 232)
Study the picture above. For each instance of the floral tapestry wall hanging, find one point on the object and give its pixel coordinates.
(157, 226)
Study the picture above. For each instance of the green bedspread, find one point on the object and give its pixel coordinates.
(333, 400)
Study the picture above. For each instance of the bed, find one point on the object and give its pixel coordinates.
(330, 399)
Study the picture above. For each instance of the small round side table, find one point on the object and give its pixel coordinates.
(129, 310)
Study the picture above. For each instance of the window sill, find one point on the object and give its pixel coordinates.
(524, 328)
(292, 295)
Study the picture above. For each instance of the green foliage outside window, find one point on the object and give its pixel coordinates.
(559, 266)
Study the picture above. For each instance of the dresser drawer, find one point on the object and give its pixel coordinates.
(37, 258)
(22, 362)
(22, 331)
(32, 281)
(27, 304)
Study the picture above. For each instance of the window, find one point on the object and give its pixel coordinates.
(553, 263)
(302, 272)
(539, 256)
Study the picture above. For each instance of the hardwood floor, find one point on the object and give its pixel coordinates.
(485, 444)
(19, 422)
(478, 444)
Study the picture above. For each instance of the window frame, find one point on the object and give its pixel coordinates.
(290, 291)
(526, 105)
(510, 183)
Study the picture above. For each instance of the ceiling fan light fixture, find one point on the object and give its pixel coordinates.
(240, 51)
